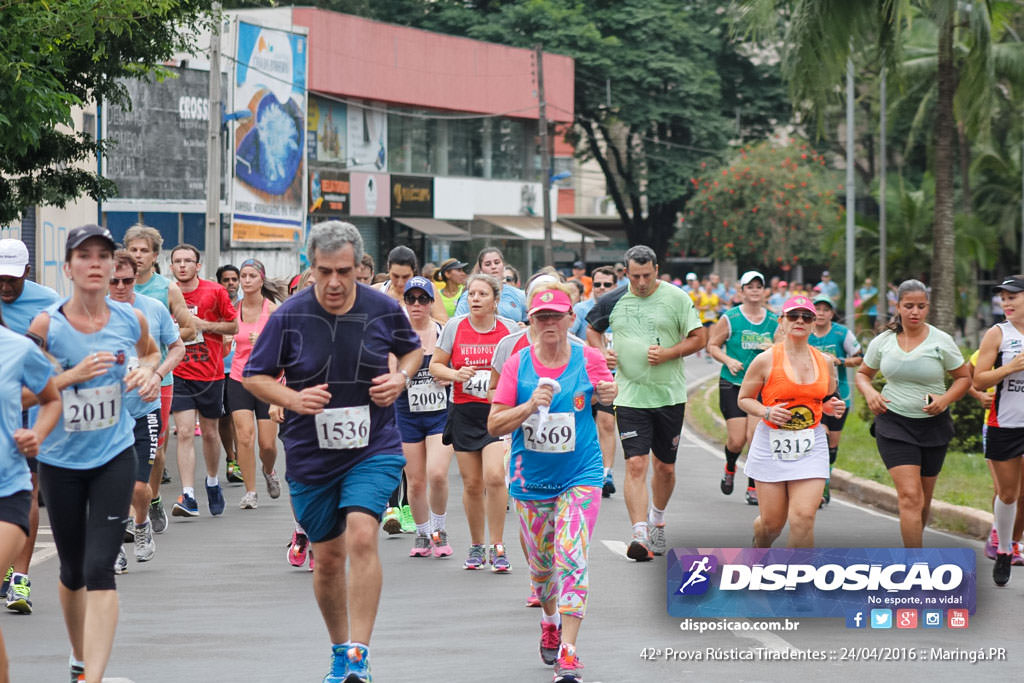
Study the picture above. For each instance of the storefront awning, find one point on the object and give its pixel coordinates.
(433, 228)
(531, 228)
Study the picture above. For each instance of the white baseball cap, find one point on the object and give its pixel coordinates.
(691, 276)
(750, 276)
(13, 258)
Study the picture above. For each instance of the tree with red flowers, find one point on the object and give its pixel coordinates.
(771, 205)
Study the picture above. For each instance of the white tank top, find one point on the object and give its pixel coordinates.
(1008, 406)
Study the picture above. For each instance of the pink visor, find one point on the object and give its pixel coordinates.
(798, 303)
(551, 300)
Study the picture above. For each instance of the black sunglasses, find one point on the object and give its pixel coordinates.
(122, 281)
(806, 317)
(604, 284)
(509, 278)
(422, 299)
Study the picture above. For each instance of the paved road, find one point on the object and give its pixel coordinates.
(220, 603)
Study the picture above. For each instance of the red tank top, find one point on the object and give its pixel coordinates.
(803, 400)
(474, 349)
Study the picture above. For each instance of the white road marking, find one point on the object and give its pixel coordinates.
(617, 547)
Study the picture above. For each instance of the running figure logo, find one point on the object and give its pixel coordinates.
(695, 579)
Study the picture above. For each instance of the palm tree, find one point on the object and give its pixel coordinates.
(819, 36)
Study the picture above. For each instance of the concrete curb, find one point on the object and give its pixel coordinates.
(959, 518)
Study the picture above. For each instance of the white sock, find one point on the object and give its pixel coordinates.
(555, 618)
(655, 516)
(437, 521)
(74, 662)
(423, 529)
(640, 528)
(212, 481)
(1004, 513)
(607, 471)
(189, 491)
(354, 644)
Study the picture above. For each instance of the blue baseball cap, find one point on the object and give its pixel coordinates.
(419, 282)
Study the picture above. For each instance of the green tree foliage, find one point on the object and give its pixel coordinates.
(660, 86)
(771, 205)
(56, 55)
(963, 63)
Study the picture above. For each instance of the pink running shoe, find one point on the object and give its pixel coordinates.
(421, 547)
(439, 544)
(992, 547)
(298, 549)
(550, 640)
(310, 559)
(1018, 559)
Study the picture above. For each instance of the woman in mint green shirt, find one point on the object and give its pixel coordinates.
(912, 424)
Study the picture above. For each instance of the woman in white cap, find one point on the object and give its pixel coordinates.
(738, 337)
(555, 471)
(789, 388)
(87, 464)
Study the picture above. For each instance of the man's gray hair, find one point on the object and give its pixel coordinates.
(640, 254)
(331, 236)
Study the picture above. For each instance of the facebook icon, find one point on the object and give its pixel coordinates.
(855, 620)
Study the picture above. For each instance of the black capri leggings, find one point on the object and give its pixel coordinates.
(87, 510)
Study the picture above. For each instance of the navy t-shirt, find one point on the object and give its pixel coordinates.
(311, 347)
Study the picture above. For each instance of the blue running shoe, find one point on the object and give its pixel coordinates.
(358, 665)
(216, 499)
(608, 488)
(186, 506)
(339, 665)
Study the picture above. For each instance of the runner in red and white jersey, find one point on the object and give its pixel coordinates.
(462, 356)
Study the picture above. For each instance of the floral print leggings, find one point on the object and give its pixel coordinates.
(557, 534)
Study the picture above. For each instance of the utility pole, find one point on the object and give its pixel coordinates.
(851, 196)
(545, 159)
(212, 256)
(882, 304)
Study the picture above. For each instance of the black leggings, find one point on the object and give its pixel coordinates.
(87, 510)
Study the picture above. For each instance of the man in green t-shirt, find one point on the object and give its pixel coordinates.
(655, 326)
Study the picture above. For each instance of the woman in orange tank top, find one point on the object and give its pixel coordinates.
(789, 388)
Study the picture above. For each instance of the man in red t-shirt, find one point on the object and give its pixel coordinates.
(199, 379)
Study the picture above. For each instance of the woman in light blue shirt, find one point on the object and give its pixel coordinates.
(26, 367)
(87, 464)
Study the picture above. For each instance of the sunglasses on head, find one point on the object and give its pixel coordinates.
(422, 299)
(122, 281)
(805, 316)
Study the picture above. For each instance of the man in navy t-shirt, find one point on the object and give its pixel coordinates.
(342, 445)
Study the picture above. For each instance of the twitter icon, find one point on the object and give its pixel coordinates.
(881, 618)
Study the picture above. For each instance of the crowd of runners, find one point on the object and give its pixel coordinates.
(373, 381)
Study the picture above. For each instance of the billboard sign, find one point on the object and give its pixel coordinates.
(268, 192)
